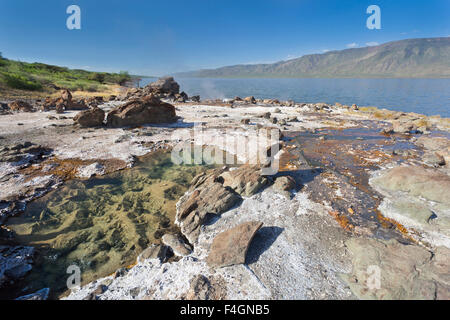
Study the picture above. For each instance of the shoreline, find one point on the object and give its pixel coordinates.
(317, 209)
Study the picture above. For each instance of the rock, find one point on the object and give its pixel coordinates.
(230, 247)
(285, 183)
(415, 211)
(135, 292)
(401, 126)
(290, 103)
(95, 169)
(76, 105)
(15, 263)
(21, 106)
(439, 146)
(202, 288)
(206, 196)
(387, 130)
(155, 251)
(120, 273)
(250, 99)
(245, 121)
(165, 85)
(195, 98)
(112, 98)
(90, 118)
(271, 101)
(404, 271)
(38, 295)
(417, 181)
(277, 110)
(266, 115)
(101, 288)
(178, 246)
(434, 159)
(143, 111)
(60, 108)
(66, 95)
(245, 180)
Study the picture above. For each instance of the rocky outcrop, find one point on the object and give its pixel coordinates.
(416, 181)
(21, 106)
(147, 110)
(165, 85)
(206, 196)
(64, 102)
(230, 247)
(15, 263)
(390, 270)
(215, 192)
(90, 118)
(163, 88)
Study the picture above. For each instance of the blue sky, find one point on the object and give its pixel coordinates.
(159, 37)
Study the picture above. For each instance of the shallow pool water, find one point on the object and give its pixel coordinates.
(103, 223)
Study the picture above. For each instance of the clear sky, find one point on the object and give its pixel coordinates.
(158, 37)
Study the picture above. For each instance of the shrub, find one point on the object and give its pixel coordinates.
(20, 82)
(99, 77)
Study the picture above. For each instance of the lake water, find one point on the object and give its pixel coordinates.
(425, 96)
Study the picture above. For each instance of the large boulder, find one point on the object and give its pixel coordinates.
(165, 85)
(137, 112)
(230, 247)
(90, 118)
(21, 106)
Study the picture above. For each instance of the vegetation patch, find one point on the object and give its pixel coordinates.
(47, 78)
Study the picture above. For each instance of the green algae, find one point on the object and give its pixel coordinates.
(101, 224)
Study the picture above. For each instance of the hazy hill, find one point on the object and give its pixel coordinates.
(412, 58)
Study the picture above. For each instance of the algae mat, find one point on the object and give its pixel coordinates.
(103, 223)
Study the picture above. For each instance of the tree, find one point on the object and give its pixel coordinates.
(99, 77)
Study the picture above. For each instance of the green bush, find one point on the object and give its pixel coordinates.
(99, 77)
(20, 82)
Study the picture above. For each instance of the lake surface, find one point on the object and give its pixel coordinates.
(425, 96)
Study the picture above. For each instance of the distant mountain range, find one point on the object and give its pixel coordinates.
(411, 58)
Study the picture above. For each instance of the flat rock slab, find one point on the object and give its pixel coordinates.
(417, 181)
(230, 247)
